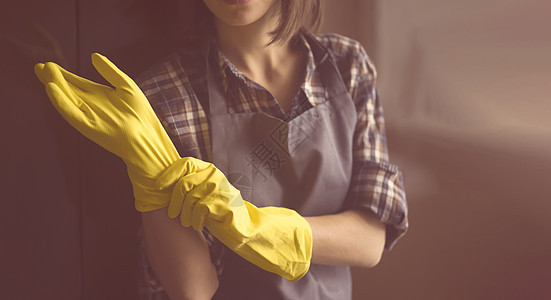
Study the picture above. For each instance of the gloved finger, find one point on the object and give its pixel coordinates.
(75, 83)
(172, 174)
(177, 199)
(181, 167)
(197, 202)
(199, 216)
(39, 72)
(71, 113)
(190, 201)
(52, 73)
(111, 73)
(200, 178)
(80, 82)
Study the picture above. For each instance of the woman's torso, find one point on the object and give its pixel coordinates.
(178, 92)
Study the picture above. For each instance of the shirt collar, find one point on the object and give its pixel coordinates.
(310, 68)
(227, 69)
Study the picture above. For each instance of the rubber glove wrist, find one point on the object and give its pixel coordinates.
(147, 197)
(276, 239)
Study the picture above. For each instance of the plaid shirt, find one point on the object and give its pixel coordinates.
(177, 90)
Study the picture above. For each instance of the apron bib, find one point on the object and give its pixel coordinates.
(304, 164)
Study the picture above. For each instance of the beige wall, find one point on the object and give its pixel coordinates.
(465, 87)
(353, 18)
(469, 66)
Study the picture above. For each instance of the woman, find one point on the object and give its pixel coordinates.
(302, 186)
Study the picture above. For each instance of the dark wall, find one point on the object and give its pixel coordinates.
(40, 222)
(68, 223)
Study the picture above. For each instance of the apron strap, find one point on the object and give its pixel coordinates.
(331, 76)
(217, 99)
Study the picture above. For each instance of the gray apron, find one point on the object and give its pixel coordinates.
(304, 164)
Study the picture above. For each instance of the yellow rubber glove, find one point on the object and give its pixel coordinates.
(119, 119)
(275, 239)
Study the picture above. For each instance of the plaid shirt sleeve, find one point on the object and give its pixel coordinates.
(376, 183)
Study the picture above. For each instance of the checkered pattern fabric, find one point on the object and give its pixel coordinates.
(177, 90)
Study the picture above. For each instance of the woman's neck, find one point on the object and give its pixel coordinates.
(245, 46)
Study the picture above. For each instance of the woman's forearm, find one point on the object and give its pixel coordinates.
(179, 256)
(354, 237)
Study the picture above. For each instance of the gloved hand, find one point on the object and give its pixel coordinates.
(276, 239)
(120, 120)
